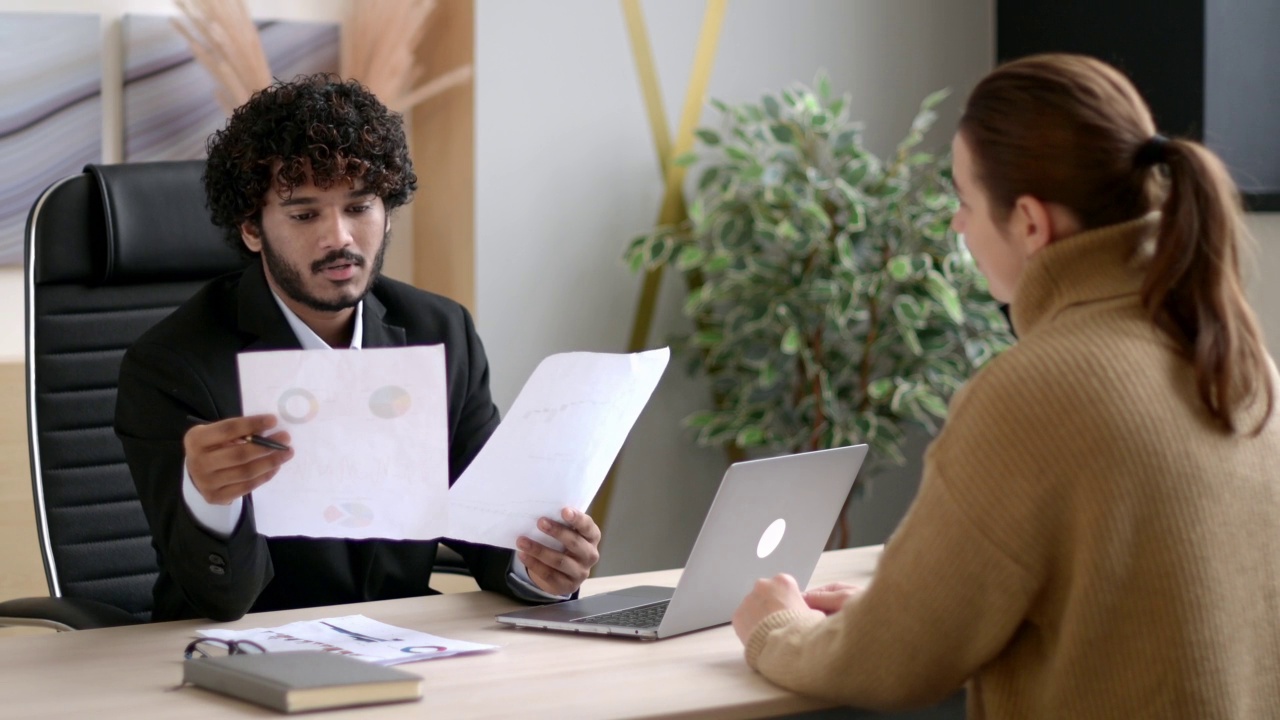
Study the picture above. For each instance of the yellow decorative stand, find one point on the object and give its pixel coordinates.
(673, 210)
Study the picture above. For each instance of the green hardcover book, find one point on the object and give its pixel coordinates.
(300, 681)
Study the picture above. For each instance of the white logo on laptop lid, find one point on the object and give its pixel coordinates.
(771, 537)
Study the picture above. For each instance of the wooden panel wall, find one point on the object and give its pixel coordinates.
(21, 572)
(443, 141)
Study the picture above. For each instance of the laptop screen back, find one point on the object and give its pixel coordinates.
(770, 516)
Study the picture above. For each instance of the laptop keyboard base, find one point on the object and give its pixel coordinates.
(642, 616)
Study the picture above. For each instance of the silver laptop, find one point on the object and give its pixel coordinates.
(770, 516)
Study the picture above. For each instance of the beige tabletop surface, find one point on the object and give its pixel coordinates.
(133, 672)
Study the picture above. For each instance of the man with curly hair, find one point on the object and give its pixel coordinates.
(303, 179)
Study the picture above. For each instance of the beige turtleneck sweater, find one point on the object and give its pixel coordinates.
(1086, 542)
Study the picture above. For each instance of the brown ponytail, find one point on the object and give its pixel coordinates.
(1193, 287)
(1072, 130)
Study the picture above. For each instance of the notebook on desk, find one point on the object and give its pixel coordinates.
(769, 516)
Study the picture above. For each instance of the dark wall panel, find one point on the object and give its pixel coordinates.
(1207, 68)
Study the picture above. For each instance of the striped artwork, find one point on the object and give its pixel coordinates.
(169, 106)
(51, 117)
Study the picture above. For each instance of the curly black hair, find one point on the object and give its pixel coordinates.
(336, 129)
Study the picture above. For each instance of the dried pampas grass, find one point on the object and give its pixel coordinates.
(380, 40)
(225, 41)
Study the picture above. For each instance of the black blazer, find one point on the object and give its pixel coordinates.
(186, 365)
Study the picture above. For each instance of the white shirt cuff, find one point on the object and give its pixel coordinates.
(219, 520)
(519, 582)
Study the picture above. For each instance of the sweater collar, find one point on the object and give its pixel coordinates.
(1098, 264)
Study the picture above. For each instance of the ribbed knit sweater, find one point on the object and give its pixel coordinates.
(1086, 541)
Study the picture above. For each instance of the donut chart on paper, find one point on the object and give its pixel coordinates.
(297, 406)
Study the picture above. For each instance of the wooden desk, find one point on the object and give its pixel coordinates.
(131, 672)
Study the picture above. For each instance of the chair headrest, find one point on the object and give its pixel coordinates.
(157, 226)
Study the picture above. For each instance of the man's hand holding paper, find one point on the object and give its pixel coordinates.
(561, 572)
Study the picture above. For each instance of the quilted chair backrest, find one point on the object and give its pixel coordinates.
(109, 253)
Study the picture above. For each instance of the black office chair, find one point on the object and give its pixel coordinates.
(108, 253)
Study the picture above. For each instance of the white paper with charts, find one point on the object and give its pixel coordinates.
(354, 635)
(554, 447)
(370, 438)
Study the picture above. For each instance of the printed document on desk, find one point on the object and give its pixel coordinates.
(354, 635)
(554, 447)
(370, 438)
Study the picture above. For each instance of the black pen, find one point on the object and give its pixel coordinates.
(255, 439)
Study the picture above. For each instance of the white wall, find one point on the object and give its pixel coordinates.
(566, 175)
(1264, 290)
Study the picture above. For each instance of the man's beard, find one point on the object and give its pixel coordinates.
(290, 279)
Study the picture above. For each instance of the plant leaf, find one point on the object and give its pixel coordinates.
(911, 339)
(736, 153)
(708, 137)
(934, 98)
(750, 437)
(854, 172)
(946, 296)
(899, 268)
(708, 177)
(690, 257)
(782, 133)
(900, 394)
(768, 376)
(697, 212)
(658, 251)
(685, 159)
(844, 251)
(717, 263)
(708, 338)
(695, 298)
(880, 388)
(930, 401)
(700, 419)
(791, 341)
(771, 107)
(857, 221)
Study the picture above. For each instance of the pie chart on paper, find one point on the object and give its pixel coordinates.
(390, 402)
(349, 514)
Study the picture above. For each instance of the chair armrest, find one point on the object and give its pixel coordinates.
(449, 561)
(62, 613)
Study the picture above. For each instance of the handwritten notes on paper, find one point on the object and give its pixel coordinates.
(370, 439)
(370, 435)
(554, 447)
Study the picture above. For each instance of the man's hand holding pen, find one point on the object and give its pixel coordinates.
(224, 464)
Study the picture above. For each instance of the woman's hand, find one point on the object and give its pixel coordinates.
(830, 598)
(770, 595)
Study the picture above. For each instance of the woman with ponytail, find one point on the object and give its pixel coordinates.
(1097, 533)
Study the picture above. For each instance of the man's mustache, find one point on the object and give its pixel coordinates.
(336, 257)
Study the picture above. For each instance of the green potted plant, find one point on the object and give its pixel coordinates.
(831, 302)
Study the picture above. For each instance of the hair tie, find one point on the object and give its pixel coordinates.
(1152, 152)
